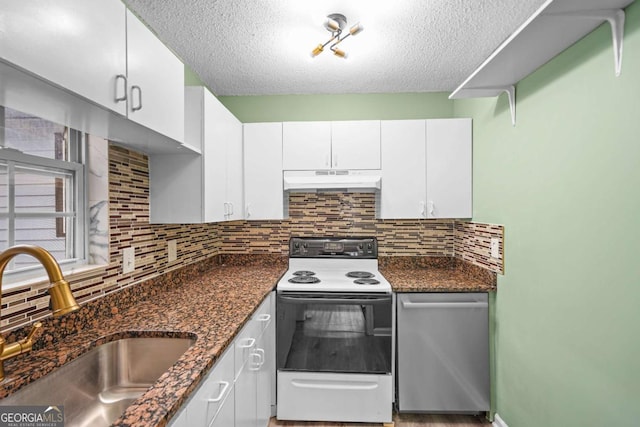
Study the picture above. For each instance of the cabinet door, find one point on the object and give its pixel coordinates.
(226, 415)
(403, 188)
(216, 131)
(263, 188)
(156, 82)
(245, 395)
(449, 168)
(355, 145)
(234, 169)
(306, 145)
(78, 45)
(266, 367)
(208, 401)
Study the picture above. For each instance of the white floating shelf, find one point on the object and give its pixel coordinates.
(555, 26)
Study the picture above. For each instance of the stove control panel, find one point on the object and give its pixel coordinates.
(333, 247)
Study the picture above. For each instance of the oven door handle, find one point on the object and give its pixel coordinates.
(336, 300)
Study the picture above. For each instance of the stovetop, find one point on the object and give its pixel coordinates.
(333, 265)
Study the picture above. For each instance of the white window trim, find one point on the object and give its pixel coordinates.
(37, 274)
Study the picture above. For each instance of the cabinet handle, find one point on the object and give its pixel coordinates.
(473, 304)
(248, 209)
(223, 391)
(258, 359)
(230, 208)
(260, 352)
(226, 209)
(334, 385)
(249, 342)
(124, 88)
(423, 209)
(431, 208)
(139, 90)
(263, 317)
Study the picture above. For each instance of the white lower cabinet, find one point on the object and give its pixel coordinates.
(237, 392)
(214, 393)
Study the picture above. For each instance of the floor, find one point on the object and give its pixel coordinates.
(401, 420)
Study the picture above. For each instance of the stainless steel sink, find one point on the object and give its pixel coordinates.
(96, 388)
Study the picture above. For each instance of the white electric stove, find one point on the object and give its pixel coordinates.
(335, 346)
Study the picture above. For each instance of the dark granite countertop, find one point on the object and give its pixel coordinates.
(212, 306)
(436, 274)
(211, 302)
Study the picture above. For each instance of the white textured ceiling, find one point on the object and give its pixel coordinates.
(262, 47)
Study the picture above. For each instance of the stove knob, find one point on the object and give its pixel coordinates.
(360, 246)
(296, 245)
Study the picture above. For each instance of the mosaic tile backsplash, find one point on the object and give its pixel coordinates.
(339, 214)
(311, 214)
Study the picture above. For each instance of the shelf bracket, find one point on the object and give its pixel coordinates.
(615, 18)
(511, 94)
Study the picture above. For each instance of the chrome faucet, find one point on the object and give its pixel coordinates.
(62, 300)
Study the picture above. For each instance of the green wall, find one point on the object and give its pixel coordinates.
(277, 108)
(565, 182)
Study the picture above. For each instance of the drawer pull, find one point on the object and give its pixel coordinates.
(223, 391)
(263, 318)
(249, 342)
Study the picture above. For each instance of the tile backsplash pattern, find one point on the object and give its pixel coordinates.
(473, 244)
(339, 214)
(311, 214)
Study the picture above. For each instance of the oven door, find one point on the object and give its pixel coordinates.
(334, 332)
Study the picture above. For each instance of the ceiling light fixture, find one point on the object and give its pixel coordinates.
(335, 24)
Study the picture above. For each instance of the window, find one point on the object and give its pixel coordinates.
(41, 188)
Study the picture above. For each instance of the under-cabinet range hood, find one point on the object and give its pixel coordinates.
(358, 181)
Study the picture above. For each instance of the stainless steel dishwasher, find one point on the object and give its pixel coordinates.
(443, 352)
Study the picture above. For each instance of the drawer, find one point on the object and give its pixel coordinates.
(212, 393)
(263, 315)
(245, 344)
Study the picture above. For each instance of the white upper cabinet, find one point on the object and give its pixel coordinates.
(223, 172)
(449, 168)
(426, 169)
(191, 188)
(78, 45)
(306, 145)
(156, 82)
(331, 145)
(234, 169)
(100, 52)
(404, 187)
(355, 144)
(263, 189)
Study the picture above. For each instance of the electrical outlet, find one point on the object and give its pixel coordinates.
(128, 260)
(495, 248)
(172, 250)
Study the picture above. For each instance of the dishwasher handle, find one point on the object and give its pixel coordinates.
(438, 304)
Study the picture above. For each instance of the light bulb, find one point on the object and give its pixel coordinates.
(331, 25)
(317, 51)
(356, 29)
(340, 53)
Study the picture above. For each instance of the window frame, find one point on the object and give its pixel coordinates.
(76, 167)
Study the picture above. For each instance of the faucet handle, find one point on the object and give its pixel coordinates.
(34, 329)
